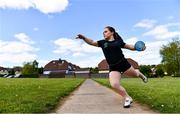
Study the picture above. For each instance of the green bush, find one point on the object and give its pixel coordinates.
(1, 75)
(177, 74)
(30, 76)
(159, 72)
(146, 70)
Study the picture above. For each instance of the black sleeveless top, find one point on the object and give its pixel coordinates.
(112, 50)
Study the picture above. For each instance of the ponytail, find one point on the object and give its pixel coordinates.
(115, 35)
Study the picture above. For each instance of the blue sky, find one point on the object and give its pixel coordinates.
(46, 30)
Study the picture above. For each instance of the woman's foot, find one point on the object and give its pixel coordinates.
(127, 102)
(145, 79)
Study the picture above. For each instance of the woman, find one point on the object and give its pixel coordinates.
(118, 65)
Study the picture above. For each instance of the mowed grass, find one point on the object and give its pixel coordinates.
(162, 94)
(34, 95)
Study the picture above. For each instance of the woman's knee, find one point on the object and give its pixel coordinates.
(131, 72)
(137, 72)
(115, 85)
(114, 77)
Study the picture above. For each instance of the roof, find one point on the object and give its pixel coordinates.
(133, 63)
(2, 68)
(60, 65)
(103, 65)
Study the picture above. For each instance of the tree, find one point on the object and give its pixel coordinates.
(159, 72)
(94, 70)
(40, 70)
(160, 69)
(30, 69)
(11, 72)
(35, 65)
(170, 54)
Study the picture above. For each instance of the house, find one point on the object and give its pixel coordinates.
(59, 68)
(3, 70)
(17, 69)
(83, 72)
(73, 67)
(104, 67)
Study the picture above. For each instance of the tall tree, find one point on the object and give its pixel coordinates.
(35, 65)
(30, 69)
(170, 54)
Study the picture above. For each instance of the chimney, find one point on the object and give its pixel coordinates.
(60, 60)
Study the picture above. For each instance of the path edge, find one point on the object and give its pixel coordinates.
(62, 100)
(134, 101)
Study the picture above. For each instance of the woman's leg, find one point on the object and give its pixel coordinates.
(114, 78)
(135, 72)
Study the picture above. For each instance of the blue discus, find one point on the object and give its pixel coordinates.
(139, 45)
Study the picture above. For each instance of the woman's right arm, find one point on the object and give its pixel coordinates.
(87, 40)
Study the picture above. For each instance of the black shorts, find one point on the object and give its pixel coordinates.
(121, 66)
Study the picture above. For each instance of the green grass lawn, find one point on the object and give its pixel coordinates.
(34, 95)
(162, 94)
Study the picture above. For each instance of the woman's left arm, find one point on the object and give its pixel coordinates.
(131, 47)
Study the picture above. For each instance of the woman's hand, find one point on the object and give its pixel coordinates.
(144, 48)
(87, 40)
(80, 36)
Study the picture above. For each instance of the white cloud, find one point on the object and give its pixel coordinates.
(49, 6)
(74, 47)
(16, 52)
(76, 54)
(15, 47)
(163, 32)
(131, 40)
(36, 29)
(44, 6)
(23, 38)
(16, 4)
(170, 17)
(18, 58)
(149, 56)
(43, 62)
(79, 52)
(146, 23)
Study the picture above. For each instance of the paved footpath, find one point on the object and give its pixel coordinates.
(91, 97)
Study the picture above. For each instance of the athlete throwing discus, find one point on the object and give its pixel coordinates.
(118, 65)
